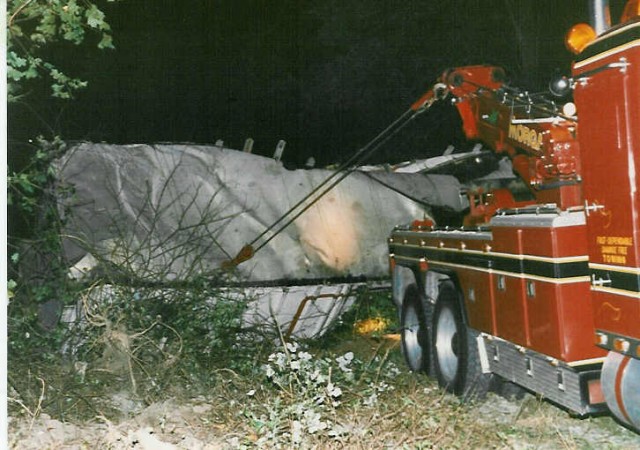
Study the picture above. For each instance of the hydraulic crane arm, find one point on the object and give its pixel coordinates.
(538, 137)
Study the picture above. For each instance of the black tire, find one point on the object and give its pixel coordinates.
(455, 349)
(415, 331)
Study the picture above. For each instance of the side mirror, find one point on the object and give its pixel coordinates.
(560, 86)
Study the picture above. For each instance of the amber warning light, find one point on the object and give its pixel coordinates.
(579, 36)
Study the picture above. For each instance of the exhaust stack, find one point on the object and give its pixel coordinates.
(600, 15)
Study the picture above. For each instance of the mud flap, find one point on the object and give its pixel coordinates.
(482, 352)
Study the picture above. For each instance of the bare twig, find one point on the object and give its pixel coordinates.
(17, 12)
(36, 413)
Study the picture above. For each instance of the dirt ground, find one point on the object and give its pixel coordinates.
(193, 425)
(384, 407)
(160, 426)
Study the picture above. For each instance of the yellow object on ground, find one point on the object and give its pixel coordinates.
(370, 325)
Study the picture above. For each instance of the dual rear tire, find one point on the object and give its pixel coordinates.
(437, 340)
(416, 340)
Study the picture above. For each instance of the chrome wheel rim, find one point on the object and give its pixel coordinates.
(447, 344)
(411, 329)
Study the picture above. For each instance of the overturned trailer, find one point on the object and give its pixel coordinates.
(158, 215)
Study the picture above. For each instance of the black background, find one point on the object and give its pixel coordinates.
(326, 76)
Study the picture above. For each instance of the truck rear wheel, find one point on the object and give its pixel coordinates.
(455, 349)
(415, 332)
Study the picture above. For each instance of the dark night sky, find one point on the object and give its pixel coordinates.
(325, 76)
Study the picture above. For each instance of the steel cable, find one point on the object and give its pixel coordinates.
(342, 172)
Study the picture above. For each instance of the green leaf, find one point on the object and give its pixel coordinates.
(15, 61)
(73, 34)
(39, 178)
(48, 25)
(25, 183)
(14, 31)
(11, 287)
(45, 22)
(39, 38)
(95, 17)
(106, 41)
(71, 28)
(13, 74)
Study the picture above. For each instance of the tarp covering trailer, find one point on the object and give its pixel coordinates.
(170, 212)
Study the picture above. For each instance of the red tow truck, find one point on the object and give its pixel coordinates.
(543, 292)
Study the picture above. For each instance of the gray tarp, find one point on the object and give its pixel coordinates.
(167, 212)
